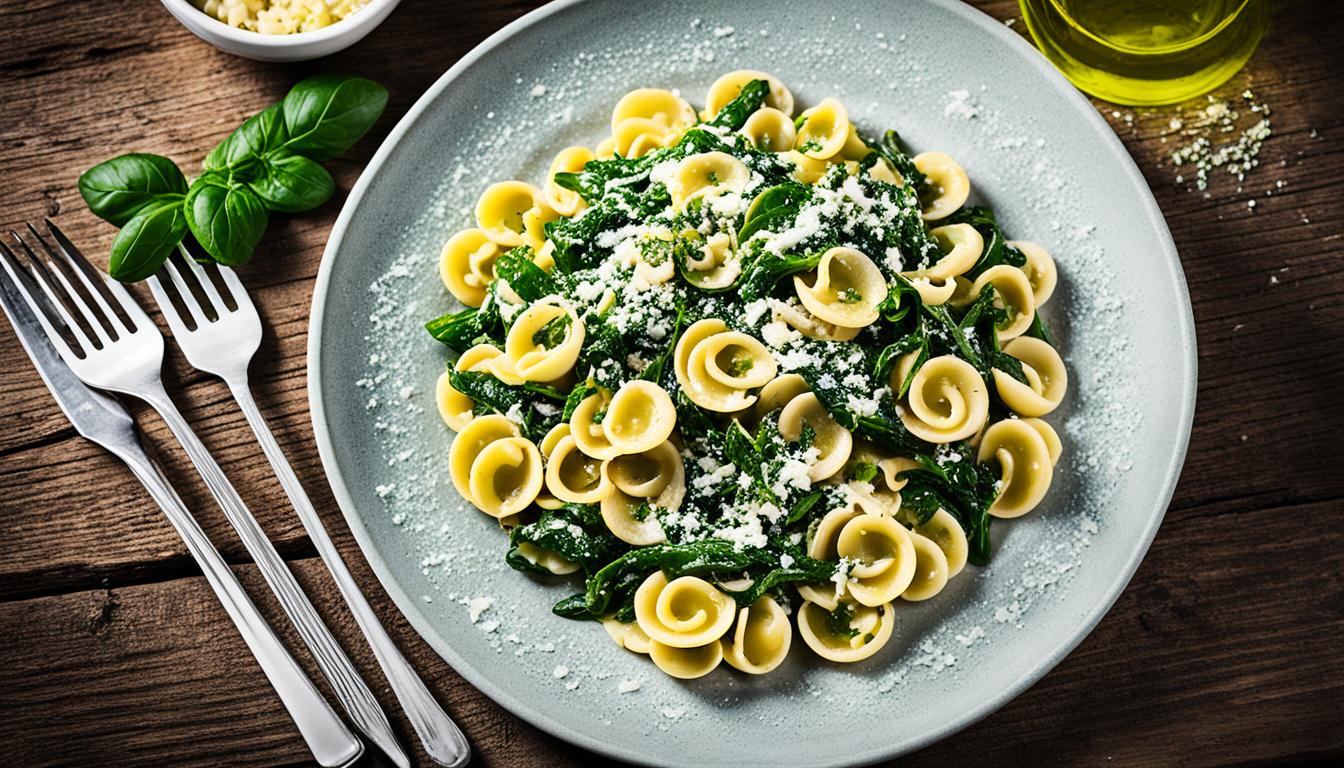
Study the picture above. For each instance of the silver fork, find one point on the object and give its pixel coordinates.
(224, 345)
(103, 420)
(125, 354)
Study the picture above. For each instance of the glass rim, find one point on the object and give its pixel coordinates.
(1205, 37)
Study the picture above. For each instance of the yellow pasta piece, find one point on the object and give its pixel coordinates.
(500, 211)
(949, 185)
(587, 430)
(686, 663)
(729, 86)
(627, 635)
(871, 627)
(545, 340)
(931, 570)
(770, 130)
(1048, 380)
(640, 417)
(760, 640)
(846, 291)
(1024, 464)
(545, 558)
(832, 442)
(660, 107)
(467, 265)
(1040, 269)
(563, 201)
(687, 612)
(573, 476)
(470, 441)
(824, 130)
(1013, 294)
(947, 400)
(506, 476)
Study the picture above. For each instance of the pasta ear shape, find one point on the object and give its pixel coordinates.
(467, 265)
(545, 558)
(947, 400)
(455, 408)
(1048, 379)
(566, 202)
(686, 663)
(544, 341)
(1040, 269)
(831, 441)
(846, 291)
(770, 130)
(760, 641)
(657, 474)
(499, 212)
(864, 634)
(931, 570)
(619, 513)
(1024, 464)
(573, 476)
(660, 107)
(1012, 294)
(470, 441)
(506, 476)
(882, 558)
(944, 531)
(687, 612)
(824, 130)
(640, 417)
(627, 635)
(717, 367)
(586, 427)
(729, 86)
(708, 173)
(948, 185)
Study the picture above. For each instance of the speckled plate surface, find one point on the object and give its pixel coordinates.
(948, 78)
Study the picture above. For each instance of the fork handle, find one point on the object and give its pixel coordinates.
(442, 739)
(330, 741)
(350, 689)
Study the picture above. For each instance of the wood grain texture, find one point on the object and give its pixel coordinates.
(1224, 649)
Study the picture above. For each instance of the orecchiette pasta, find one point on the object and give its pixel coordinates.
(869, 628)
(931, 570)
(948, 184)
(728, 86)
(467, 265)
(627, 635)
(545, 558)
(770, 130)
(824, 130)
(566, 202)
(831, 441)
(767, 466)
(760, 640)
(716, 367)
(1047, 379)
(1024, 463)
(686, 663)
(687, 612)
(1040, 269)
(544, 341)
(846, 291)
(506, 476)
(500, 211)
(947, 400)
(1013, 294)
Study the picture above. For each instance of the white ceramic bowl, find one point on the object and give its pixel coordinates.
(300, 46)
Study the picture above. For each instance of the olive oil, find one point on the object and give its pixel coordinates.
(1147, 52)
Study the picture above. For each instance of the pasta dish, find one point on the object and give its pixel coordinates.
(739, 370)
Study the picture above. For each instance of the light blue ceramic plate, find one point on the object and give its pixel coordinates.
(947, 78)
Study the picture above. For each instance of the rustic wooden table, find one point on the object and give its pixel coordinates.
(1225, 648)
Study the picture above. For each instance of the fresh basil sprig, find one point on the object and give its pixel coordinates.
(269, 163)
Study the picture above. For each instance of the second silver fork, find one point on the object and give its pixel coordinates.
(223, 344)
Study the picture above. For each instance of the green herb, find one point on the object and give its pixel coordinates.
(269, 163)
(838, 621)
(553, 333)
(864, 472)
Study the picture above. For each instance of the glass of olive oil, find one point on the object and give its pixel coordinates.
(1147, 52)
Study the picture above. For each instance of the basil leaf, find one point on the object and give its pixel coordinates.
(117, 189)
(227, 218)
(147, 239)
(292, 183)
(325, 115)
(255, 137)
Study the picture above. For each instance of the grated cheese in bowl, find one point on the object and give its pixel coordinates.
(279, 17)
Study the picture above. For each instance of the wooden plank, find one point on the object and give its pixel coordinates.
(1191, 666)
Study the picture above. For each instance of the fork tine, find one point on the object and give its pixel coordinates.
(206, 283)
(239, 293)
(11, 278)
(83, 271)
(183, 293)
(40, 274)
(91, 318)
(129, 306)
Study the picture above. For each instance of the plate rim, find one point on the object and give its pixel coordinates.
(518, 706)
